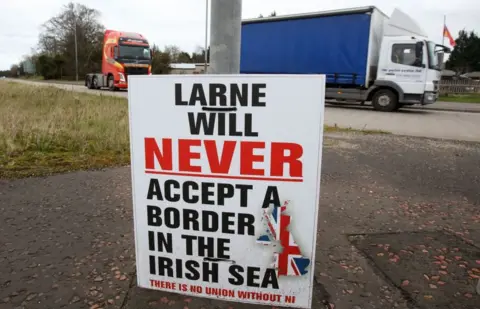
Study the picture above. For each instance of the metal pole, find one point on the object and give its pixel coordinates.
(443, 30)
(225, 36)
(76, 50)
(206, 37)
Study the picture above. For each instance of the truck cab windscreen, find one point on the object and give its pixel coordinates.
(432, 56)
(134, 52)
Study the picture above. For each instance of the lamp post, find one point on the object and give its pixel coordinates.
(225, 36)
(206, 36)
(76, 49)
(76, 44)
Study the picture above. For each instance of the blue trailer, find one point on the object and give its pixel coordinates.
(354, 48)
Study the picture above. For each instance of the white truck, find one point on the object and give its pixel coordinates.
(365, 55)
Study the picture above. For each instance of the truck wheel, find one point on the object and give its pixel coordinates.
(88, 83)
(111, 83)
(94, 83)
(385, 101)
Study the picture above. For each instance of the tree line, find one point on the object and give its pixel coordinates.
(54, 55)
(465, 56)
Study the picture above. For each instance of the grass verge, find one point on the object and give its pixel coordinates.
(46, 130)
(460, 98)
(333, 129)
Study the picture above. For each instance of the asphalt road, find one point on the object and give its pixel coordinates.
(399, 227)
(422, 122)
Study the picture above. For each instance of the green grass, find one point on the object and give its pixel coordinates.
(46, 130)
(32, 78)
(334, 129)
(66, 80)
(460, 98)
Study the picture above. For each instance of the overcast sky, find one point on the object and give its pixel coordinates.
(181, 22)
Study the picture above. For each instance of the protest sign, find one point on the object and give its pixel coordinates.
(226, 184)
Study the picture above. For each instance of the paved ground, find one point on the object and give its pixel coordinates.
(399, 227)
(433, 124)
(418, 121)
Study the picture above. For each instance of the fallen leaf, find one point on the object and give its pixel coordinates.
(428, 296)
(462, 266)
(31, 296)
(187, 300)
(474, 276)
(380, 254)
(458, 258)
(442, 272)
(443, 267)
(478, 262)
(405, 283)
(468, 295)
(426, 277)
(424, 251)
(441, 283)
(436, 278)
(433, 286)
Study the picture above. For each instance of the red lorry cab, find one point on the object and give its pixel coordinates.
(124, 54)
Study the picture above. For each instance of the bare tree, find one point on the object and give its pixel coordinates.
(59, 32)
(174, 52)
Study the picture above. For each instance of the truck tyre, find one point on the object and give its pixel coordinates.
(385, 100)
(88, 83)
(111, 83)
(94, 82)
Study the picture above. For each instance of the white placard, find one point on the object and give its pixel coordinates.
(226, 173)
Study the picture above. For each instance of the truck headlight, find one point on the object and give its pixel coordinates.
(122, 77)
(429, 97)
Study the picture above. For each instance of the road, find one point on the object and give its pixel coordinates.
(399, 227)
(411, 122)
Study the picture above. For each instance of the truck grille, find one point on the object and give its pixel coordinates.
(136, 71)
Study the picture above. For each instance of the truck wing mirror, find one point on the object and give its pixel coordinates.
(441, 48)
(419, 50)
